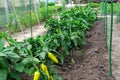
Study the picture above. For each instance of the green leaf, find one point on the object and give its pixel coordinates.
(73, 61)
(56, 77)
(12, 55)
(1, 44)
(27, 60)
(36, 60)
(26, 70)
(62, 37)
(65, 48)
(32, 70)
(56, 43)
(59, 78)
(43, 55)
(75, 42)
(2, 54)
(19, 67)
(10, 48)
(29, 47)
(3, 74)
(83, 42)
(15, 75)
(4, 63)
(45, 49)
(72, 37)
(30, 60)
(62, 59)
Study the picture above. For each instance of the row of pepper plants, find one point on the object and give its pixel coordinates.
(37, 57)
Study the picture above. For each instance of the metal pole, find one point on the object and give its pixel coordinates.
(106, 27)
(7, 10)
(30, 18)
(47, 10)
(111, 33)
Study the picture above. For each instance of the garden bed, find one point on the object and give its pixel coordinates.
(63, 38)
(92, 65)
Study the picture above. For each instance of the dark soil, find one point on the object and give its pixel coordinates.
(92, 65)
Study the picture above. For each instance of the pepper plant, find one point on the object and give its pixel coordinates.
(36, 56)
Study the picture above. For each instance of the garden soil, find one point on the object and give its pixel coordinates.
(93, 64)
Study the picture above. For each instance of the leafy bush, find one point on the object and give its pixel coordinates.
(51, 4)
(60, 8)
(24, 57)
(93, 5)
(69, 31)
(44, 14)
(42, 4)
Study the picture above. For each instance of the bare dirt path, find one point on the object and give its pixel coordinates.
(37, 30)
(116, 48)
(20, 36)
